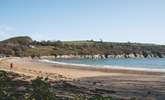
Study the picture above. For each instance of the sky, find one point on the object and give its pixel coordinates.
(110, 20)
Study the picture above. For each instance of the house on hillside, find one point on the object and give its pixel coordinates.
(31, 46)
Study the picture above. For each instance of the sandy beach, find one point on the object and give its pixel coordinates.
(36, 68)
(107, 82)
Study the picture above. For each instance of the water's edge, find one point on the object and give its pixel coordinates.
(104, 66)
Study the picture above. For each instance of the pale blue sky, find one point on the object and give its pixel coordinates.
(109, 20)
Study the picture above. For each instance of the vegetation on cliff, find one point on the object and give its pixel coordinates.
(15, 46)
(24, 46)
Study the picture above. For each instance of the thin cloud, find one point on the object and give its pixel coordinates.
(6, 31)
(5, 28)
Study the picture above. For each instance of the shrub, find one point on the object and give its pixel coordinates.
(41, 89)
(4, 85)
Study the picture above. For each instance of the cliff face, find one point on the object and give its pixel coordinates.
(102, 56)
(24, 46)
(99, 50)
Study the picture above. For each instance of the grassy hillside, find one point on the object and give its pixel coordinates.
(98, 47)
(24, 40)
(24, 46)
(15, 46)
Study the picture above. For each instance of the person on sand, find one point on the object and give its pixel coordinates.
(11, 66)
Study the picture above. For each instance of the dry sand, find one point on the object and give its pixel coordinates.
(36, 68)
(107, 82)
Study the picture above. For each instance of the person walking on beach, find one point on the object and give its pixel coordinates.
(11, 66)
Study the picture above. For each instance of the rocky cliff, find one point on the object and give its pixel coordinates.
(25, 46)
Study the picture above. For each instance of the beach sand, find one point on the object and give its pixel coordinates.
(120, 83)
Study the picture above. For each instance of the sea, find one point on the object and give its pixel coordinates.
(151, 64)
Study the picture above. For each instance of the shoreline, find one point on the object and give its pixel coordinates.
(107, 68)
(69, 71)
(33, 66)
